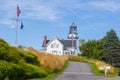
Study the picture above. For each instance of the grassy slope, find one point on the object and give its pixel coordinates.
(53, 75)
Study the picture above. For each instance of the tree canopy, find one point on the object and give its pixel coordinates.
(106, 49)
(111, 48)
(91, 48)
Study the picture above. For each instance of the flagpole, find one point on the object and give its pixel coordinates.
(17, 20)
(16, 42)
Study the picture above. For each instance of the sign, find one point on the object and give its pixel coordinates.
(105, 68)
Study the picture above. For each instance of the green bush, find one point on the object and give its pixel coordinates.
(29, 57)
(14, 64)
(11, 54)
(3, 44)
(11, 71)
(34, 71)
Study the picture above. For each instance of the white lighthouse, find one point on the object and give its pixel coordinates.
(73, 32)
(73, 36)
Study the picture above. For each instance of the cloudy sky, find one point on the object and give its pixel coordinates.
(54, 17)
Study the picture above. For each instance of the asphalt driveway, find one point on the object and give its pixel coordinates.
(81, 71)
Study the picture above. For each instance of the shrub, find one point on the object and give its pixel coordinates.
(11, 54)
(11, 71)
(29, 57)
(14, 64)
(32, 71)
(3, 44)
(14, 55)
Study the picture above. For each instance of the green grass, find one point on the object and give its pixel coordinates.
(53, 75)
(95, 70)
(113, 75)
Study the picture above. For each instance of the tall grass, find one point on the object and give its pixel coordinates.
(51, 62)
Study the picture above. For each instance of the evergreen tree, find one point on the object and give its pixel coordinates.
(111, 49)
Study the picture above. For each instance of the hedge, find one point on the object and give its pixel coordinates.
(11, 71)
(32, 71)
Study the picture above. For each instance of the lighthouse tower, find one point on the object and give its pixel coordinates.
(73, 36)
(73, 32)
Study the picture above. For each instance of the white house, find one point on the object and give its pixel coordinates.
(59, 47)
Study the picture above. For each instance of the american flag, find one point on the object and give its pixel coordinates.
(18, 11)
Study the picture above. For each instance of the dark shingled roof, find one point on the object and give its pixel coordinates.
(66, 43)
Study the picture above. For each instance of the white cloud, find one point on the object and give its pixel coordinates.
(40, 12)
(53, 10)
(109, 5)
(47, 9)
(6, 22)
(32, 9)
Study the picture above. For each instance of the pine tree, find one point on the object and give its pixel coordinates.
(111, 49)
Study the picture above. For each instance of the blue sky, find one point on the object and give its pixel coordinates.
(53, 18)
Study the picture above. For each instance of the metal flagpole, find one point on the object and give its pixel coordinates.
(16, 42)
(18, 13)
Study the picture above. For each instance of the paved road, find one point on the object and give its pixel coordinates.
(80, 71)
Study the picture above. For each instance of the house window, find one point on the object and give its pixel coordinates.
(51, 46)
(54, 45)
(54, 51)
(57, 45)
